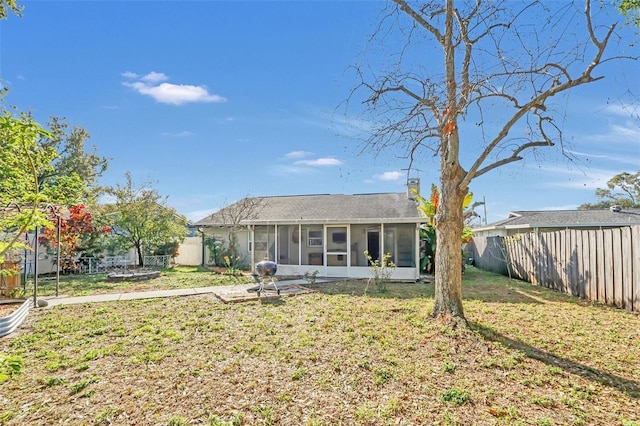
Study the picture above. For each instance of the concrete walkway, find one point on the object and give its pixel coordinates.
(231, 293)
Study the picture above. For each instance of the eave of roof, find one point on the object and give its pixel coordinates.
(563, 219)
(334, 221)
(327, 209)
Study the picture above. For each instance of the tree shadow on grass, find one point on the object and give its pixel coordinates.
(627, 386)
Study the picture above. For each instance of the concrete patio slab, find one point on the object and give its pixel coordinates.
(247, 293)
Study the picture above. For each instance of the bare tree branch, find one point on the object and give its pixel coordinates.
(500, 60)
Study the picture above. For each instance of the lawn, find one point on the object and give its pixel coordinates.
(171, 278)
(344, 355)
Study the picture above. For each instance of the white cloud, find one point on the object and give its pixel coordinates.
(129, 74)
(622, 110)
(297, 154)
(320, 162)
(589, 179)
(182, 134)
(617, 158)
(289, 170)
(168, 93)
(351, 127)
(627, 131)
(389, 176)
(154, 77)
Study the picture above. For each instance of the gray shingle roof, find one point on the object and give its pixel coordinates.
(567, 219)
(326, 208)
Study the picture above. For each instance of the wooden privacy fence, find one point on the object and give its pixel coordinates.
(599, 265)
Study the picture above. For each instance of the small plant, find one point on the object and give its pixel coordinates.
(17, 293)
(215, 247)
(231, 263)
(543, 401)
(448, 367)
(299, 373)
(79, 387)
(455, 396)
(216, 421)
(177, 421)
(9, 367)
(106, 416)
(267, 412)
(311, 276)
(53, 381)
(381, 270)
(382, 376)
(450, 420)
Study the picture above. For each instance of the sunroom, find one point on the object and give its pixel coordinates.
(328, 235)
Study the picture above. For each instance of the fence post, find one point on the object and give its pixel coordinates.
(635, 255)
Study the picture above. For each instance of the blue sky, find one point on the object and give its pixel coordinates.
(211, 101)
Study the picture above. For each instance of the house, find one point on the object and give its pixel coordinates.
(327, 233)
(520, 222)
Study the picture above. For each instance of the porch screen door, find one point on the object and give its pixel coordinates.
(337, 250)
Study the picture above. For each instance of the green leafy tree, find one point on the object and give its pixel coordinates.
(623, 189)
(7, 6)
(462, 69)
(140, 218)
(75, 172)
(428, 209)
(21, 162)
(631, 10)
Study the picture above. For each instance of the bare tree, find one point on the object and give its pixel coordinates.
(490, 57)
(230, 220)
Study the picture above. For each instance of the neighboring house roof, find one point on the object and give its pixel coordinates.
(565, 219)
(323, 208)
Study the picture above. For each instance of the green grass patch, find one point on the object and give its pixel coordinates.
(342, 355)
(170, 279)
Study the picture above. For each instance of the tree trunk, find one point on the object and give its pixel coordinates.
(448, 256)
(140, 256)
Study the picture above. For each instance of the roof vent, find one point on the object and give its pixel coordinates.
(616, 208)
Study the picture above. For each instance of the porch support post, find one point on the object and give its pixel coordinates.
(348, 249)
(416, 251)
(252, 235)
(381, 250)
(299, 244)
(276, 249)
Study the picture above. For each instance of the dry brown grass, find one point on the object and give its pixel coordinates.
(335, 357)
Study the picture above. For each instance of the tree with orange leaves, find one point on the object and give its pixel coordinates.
(78, 234)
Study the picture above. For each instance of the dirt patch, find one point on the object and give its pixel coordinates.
(7, 308)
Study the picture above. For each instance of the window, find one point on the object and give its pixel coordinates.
(315, 239)
(339, 237)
